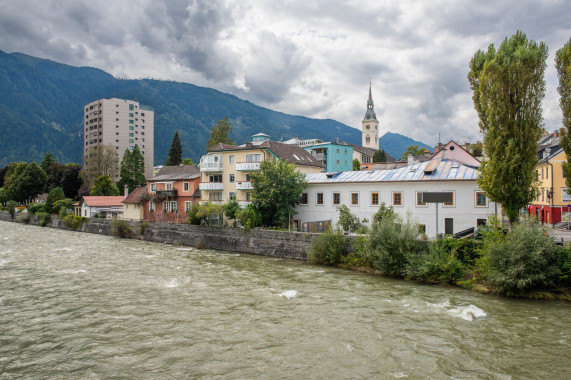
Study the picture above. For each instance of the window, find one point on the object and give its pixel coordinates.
(131, 121)
(337, 150)
(422, 229)
(215, 178)
(547, 172)
(131, 114)
(187, 205)
(142, 114)
(303, 198)
(231, 178)
(131, 128)
(131, 107)
(481, 222)
(541, 173)
(185, 186)
(215, 196)
(168, 186)
(355, 199)
(337, 162)
(247, 178)
(336, 198)
(173, 206)
(481, 199)
(419, 201)
(131, 141)
(374, 199)
(131, 134)
(232, 195)
(565, 197)
(319, 199)
(151, 206)
(450, 204)
(248, 197)
(166, 206)
(397, 199)
(253, 157)
(542, 195)
(231, 159)
(153, 187)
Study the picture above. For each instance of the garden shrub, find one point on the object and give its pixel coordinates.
(357, 258)
(327, 248)
(442, 263)
(11, 207)
(44, 218)
(62, 213)
(525, 260)
(564, 265)
(73, 222)
(24, 218)
(121, 229)
(142, 227)
(391, 242)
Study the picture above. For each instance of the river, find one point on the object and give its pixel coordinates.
(77, 305)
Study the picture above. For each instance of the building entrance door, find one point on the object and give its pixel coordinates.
(448, 226)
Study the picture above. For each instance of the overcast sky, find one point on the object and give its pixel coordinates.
(312, 58)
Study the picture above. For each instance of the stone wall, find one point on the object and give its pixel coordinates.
(283, 244)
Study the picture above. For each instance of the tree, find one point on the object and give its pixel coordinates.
(102, 161)
(415, 150)
(508, 88)
(104, 186)
(132, 170)
(356, 165)
(380, 156)
(187, 161)
(47, 161)
(56, 194)
(476, 150)
(71, 181)
(175, 151)
(277, 188)
(25, 181)
(563, 66)
(4, 196)
(347, 221)
(55, 174)
(219, 133)
(231, 209)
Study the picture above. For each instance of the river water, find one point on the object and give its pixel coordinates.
(77, 305)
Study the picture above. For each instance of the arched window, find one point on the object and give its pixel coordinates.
(368, 139)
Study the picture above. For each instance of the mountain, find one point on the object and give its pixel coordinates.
(395, 143)
(41, 110)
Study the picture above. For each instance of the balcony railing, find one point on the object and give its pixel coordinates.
(211, 167)
(166, 193)
(215, 202)
(209, 186)
(244, 185)
(244, 203)
(247, 166)
(320, 156)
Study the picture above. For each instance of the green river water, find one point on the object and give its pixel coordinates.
(82, 306)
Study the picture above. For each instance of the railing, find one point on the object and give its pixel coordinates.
(215, 202)
(248, 166)
(247, 185)
(208, 186)
(166, 193)
(244, 203)
(211, 167)
(320, 156)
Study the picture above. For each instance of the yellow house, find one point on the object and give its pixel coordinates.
(225, 169)
(550, 206)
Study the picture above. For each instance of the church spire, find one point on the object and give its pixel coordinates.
(370, 125)
(370, 114)
(370, 101)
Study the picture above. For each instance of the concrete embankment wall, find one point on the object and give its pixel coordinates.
(283, 244)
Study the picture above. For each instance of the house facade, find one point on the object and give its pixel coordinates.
(172, 192)
(335, 157)
(134, 204)
(550, 205)
(102, 206)
(225, 169)
(364, 191)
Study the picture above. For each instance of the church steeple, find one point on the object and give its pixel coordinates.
(370, 125)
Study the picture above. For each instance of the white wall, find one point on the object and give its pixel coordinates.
(464, 211)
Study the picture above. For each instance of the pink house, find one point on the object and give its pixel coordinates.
(453, 151)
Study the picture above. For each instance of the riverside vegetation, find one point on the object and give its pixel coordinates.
(523, 262)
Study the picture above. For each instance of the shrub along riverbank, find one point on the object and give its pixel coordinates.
(524, 262)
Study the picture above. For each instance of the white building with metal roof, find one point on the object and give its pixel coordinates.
(402, 188)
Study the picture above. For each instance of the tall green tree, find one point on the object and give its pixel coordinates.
(415, 150)
(175, 151)
(55, 194)
(220, 133)
(47, 161)
(25, 181)
(103, 186)
(508, 88)
(132, 170)
(380, 156)
(102, 161)
(71, 180)
(277, 188)
(563, 66)
(356, 165)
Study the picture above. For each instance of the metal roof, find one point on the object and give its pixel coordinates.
(446, 170)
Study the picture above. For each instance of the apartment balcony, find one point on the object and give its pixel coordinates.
(320, 156)
(211, 186)
(244, 203)
(215, 202)
(166, 194)
(211, 167)
(247, 185)
(248, 166)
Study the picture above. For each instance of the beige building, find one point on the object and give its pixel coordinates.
(225, 169)
(122, 124)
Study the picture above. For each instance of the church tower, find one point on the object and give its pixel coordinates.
(370, 125)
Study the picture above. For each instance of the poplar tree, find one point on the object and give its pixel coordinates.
(508, 88)
(219, 133)
(175, 151)
(563, 66)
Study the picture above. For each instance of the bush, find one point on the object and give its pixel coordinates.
(121, 229)
(54, 195)
(44, 218)
(62, 212)
(11, 207)
(250, 217)
(347, 221)
(142, 227)
(564, 264)
(34, 208)
(327, 248)
(73, 222)
(24, 218)
(392, 242)
(357, 258)
(440, 264)
(526, 260)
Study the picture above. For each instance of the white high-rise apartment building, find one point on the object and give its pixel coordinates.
(121, 124)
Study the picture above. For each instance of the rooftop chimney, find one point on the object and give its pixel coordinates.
(410, 160)
(126, 191)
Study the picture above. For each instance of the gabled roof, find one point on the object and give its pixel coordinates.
(176, 173)
(103, 201)
(362, 149)
(442, 170)
(136, 195)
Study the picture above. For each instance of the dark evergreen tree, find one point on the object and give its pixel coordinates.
(132, 170)
(71, 181)
(175, 151)
(47, 161)
(380, 156)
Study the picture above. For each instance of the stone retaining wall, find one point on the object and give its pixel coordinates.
(283, 244)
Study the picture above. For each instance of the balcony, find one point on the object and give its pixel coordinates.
(211, 167)
(214, 202)
(166, 193)
(244, 203)
(210, 186)
(320, 156)
(248, 166)
(244, 185)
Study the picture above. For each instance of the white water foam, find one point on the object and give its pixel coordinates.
(185, 249)
(172, 283)
(65, 249)
(468, 313)
(289, 294)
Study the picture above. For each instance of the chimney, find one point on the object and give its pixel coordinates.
(555, 134)
(126, 191)
(444, 156)
(546, 152)
(410, 160)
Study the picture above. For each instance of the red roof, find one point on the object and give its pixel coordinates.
(101, 201)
